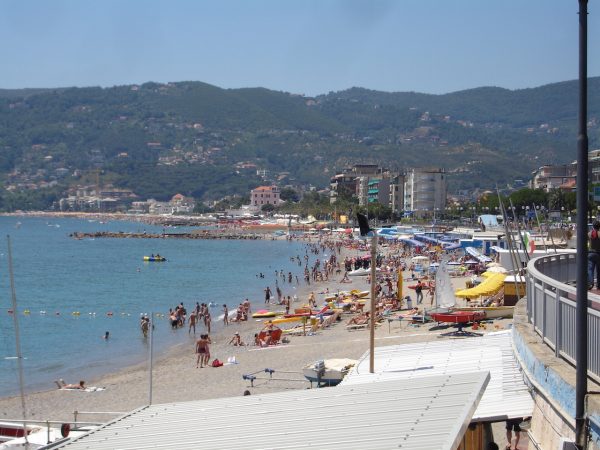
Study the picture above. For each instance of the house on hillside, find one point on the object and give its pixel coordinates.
(265, 195)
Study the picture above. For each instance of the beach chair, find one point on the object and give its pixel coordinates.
(275, 336)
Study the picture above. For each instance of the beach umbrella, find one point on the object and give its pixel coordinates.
(420, 258)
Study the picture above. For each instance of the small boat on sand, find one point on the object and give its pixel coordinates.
(491, 312)
(458, 316)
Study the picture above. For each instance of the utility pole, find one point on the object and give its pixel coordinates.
(581, 325)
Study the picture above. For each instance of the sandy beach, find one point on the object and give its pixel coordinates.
(176, 378)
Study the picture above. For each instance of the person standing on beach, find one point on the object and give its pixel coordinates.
(267, 295)
(225, 315)
(207, 320)
(201, 351)
(419, 292)
(193, 318)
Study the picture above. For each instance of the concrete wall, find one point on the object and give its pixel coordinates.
(552, 381)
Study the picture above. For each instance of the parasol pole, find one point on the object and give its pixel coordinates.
(373, 312)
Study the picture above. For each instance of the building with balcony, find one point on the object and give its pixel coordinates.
(425, 191)
(554, 177)
(347, 183)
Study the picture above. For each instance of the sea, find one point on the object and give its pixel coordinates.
(70, 292)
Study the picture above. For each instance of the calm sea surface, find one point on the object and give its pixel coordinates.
(56, 276)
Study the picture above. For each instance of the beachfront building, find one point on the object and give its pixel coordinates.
(265, 195)
(554, 177)
(347, 183)
(378, 190)
(425, 191)
(396, 194)
(182, 204)
(90, 198)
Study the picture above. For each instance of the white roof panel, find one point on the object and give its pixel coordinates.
(430, 413)
(507, 395)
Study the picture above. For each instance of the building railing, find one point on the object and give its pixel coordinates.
(551, 296)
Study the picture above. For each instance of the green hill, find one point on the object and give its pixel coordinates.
(201, 140)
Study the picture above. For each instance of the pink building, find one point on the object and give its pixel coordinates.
(264, 195)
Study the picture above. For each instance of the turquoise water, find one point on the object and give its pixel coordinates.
(59, 275)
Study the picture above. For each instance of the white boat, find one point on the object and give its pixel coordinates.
(328, 371)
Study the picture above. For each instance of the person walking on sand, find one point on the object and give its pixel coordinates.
(419, 292)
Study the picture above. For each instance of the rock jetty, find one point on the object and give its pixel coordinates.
(203, 234)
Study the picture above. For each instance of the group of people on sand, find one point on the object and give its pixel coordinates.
(203, 350)
(242, 312)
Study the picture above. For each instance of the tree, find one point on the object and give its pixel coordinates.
(289, 194)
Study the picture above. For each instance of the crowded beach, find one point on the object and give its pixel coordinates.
(321, 311)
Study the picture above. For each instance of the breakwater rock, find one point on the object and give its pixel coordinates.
(201, 234)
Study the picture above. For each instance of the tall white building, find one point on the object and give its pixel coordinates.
(425, 191)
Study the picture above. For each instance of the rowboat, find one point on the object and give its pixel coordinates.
(328, 371)
(458, 316)
(491, 312)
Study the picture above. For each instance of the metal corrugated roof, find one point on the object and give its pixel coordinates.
(507, 395)
(431, 413)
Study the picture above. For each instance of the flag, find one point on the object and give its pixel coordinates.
(363, 224)
(529, 243)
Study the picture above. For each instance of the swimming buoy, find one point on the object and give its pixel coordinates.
(65, 429)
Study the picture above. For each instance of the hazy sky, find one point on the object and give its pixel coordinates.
(300, 46)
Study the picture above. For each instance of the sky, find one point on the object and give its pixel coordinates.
(306, 47)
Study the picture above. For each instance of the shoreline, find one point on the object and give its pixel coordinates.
(128, 386)
(176, 379)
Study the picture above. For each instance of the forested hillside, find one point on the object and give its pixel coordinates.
(208, 142)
